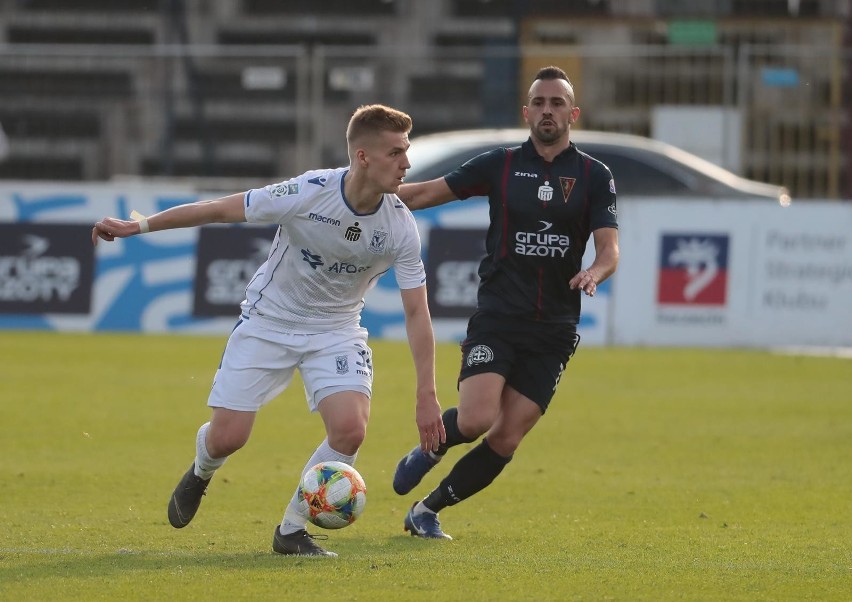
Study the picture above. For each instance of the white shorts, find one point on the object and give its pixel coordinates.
(259, 362)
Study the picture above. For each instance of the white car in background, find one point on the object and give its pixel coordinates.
(453, 234)
(640, 166)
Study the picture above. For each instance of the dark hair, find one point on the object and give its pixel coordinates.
(370, 119)
(553, 72)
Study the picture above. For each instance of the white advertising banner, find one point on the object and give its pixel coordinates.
(733, 273)
(147, 283)
(692, 273)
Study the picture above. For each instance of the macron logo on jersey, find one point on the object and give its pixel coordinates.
(319, 181)
(323, 219)
(693, 269)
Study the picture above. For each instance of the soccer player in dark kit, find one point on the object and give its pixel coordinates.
(546, 199)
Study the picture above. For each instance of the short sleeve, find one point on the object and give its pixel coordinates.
(603, 212)
(475, 177)
(276, 203)
(408, 265)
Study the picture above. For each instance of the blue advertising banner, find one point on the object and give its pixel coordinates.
(192, 280)
(452, 275)
(226, 259)
(45, 268)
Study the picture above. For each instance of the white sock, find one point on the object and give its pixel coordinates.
(420, 508)
(293, 520)
(205, 466)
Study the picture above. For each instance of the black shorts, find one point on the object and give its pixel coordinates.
(530, 355)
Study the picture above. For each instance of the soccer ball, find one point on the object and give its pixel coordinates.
(332, 495)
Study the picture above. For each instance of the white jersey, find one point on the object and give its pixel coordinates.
(325, 256)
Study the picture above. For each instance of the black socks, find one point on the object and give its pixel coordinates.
(454, 435)
(472, 473)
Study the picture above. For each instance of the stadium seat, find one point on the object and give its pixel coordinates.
(263, 171)
(275, 36)
(235, 129)
(51, 124)
(30, 34)
(42, 168)
(372, 8)
(58, 83)
(89, 5)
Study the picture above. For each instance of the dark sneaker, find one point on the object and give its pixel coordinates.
(300, 543)
(186, 498)
(411, 470)
(425, 524)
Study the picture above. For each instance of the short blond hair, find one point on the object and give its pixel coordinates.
(372, 119)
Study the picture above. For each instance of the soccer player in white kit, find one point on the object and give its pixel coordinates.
(339, 230)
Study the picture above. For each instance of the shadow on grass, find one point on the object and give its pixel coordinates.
(19, 565)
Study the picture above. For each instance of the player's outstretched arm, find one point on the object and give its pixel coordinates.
(421, 195)
(606, 260)
(225, 210)
(421, 339)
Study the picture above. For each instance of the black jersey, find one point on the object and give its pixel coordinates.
(541, 216)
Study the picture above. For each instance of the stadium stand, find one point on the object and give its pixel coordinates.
(22, 167)
(98, 6)
(270, 36)
(40, 123)
(93, 89)
(78, 35)
(64, 83)
(336, 8)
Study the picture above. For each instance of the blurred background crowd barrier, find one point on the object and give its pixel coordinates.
(257, 90)
(694, 272)
(109, 106)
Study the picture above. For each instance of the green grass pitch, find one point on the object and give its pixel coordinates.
(657, 474)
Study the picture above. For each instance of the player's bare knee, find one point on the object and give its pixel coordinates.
(473, 426)
(349, 439)
(225, 443)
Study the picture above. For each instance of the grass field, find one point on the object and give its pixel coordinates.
(656, 475)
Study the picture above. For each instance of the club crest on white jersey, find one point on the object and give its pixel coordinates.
(353, 233)
(377, 242)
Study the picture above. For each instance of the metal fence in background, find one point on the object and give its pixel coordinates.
(252, 114)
